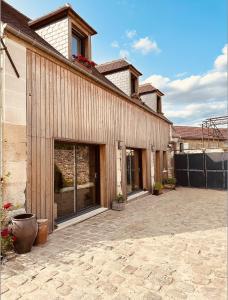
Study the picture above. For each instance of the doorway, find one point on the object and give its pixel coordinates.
(134, 170)
(76, 179)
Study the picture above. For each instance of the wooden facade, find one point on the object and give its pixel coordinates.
(63, 104)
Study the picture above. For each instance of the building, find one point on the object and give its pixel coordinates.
(191, 139)
(73, 135)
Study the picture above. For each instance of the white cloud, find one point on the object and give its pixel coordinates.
(145, 45)
(124, 53)
(115, 44)
(221, 61)
(182, 74)
(196, 97)
(131, 33)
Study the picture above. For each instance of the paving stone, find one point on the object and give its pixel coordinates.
(64, 290)
(168, 246)
(11, 296)
(151, 296)
(129, 269)
(176, 294)
(4, 288)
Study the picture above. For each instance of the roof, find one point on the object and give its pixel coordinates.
(58, 14)
(195, 133)
(116, 65)
(148, 88)
(17, 23)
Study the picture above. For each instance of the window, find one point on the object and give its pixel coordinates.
(77, 45)
(159, 104)
(133, 84)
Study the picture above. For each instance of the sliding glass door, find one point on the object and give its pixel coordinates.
(76, 179)
(134, 170)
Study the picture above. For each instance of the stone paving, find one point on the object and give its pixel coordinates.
(167, 247)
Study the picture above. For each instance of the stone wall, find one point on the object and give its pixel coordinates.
(14, 124)
(150, 100)
(121, 80)
(57, 34)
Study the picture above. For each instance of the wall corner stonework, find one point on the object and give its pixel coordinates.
(14, 153)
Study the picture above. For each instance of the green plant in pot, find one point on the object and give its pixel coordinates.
(119, 202)
(158, 188)
(170, 183)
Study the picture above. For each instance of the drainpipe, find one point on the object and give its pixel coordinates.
(2, 83)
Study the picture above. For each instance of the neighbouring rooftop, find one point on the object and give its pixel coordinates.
(195, 133)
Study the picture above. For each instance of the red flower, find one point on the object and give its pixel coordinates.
(5, 233)
(14, 238)
(7, 205)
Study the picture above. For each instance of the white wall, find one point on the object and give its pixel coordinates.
(150, 100)
(122, 80)
(56, 34)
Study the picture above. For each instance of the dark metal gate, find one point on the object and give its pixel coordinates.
(203, 170)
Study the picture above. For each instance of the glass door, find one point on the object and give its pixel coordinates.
(64, 179)
(76, 179)
(87, 176)
(134, 170)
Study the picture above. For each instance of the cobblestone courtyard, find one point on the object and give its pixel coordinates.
(167, 247)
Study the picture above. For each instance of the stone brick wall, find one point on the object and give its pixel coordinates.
(56, 34)
(150, 100)
(14, 154)
(121, 80)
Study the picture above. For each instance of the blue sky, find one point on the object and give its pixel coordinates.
(174, 43)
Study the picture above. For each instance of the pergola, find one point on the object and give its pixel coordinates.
(211, 128)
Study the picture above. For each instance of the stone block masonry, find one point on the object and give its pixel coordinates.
(121, 80)
(56, 34)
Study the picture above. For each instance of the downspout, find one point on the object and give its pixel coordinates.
(2, 83)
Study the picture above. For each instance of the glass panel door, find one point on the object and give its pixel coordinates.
(87, 176)
(64, 179)
(76, 179)
(134, 170)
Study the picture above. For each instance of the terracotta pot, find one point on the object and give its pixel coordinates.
(24, 228)
(118, 205)
(42, 233)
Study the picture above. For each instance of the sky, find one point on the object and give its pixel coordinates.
(180, 46)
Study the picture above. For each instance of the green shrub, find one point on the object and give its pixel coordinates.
(158, 186)
(171, 181)
(120, 198)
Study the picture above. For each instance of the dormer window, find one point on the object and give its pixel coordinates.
(78, 44)
(134, 82)
(159, 109)
(66, 31)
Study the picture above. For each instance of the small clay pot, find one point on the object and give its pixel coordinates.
(25, 229)
(42, 233)
(118, 205)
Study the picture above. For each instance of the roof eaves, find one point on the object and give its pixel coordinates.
(28, 39)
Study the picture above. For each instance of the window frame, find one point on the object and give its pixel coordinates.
(80, 42)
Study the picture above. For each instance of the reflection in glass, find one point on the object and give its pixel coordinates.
(86, 176)
(76, 178)
(64, 184)
(134, 168)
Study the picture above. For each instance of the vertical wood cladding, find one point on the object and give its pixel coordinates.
(62, 104)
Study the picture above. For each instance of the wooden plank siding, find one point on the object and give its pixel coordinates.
(63, 104)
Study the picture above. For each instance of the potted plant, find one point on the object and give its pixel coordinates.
(7, 238)
(24, 228)
(119, 203)
(170, 183)
(158, 188)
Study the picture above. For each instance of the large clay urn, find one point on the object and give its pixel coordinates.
(25, 229)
